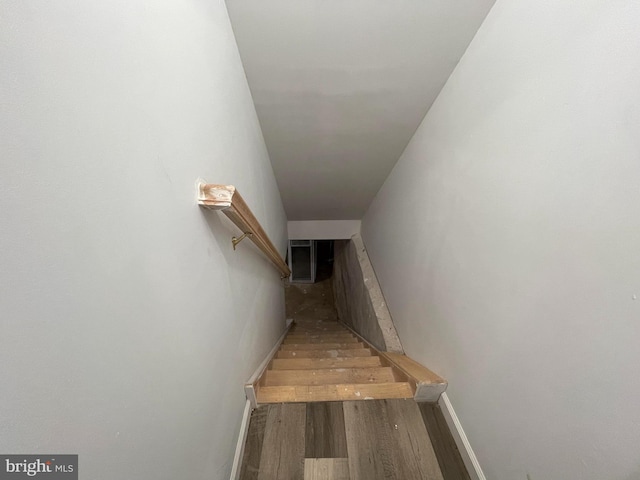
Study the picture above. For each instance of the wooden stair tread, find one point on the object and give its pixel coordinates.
(337, 392)
(318, 332)
(321, 346)
(415, 370)
(346, 338)
(316, 363)
(332, 353)
(327, 376)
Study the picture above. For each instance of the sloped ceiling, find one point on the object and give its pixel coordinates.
(341, 86)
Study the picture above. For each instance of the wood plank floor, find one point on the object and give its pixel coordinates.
(326, 469)
(283, 445)
(325, 433)
(359, 440)
(388, 439)
(443, 443)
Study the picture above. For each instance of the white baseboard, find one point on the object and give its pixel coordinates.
(251, 404)
(242, 439)
(249, 387)
(256, 375)
(468, 456)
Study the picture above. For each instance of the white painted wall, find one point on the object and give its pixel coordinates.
(127, 322)
(323, 229)
(507, 240)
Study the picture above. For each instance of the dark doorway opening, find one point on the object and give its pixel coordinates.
(324, 249)
(310, 261)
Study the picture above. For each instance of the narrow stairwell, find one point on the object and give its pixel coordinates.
(329, 406)
(323, 361)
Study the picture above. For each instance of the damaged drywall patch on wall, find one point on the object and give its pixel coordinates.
(359, 299)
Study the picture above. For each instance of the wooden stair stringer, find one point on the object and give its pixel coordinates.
(427, 385)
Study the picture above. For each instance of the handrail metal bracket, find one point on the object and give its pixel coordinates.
(227, 199)
(237, 240)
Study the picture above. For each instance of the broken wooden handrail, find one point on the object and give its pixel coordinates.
(227, 199)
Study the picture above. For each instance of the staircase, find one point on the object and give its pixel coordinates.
(321, 361)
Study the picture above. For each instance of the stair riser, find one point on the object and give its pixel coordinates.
(318, 331)
(322, 363)
(328, 393)
(320, 328)
(317, 324)
(320, 339)
(329, 376)
(323, 353)
(322, 346)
